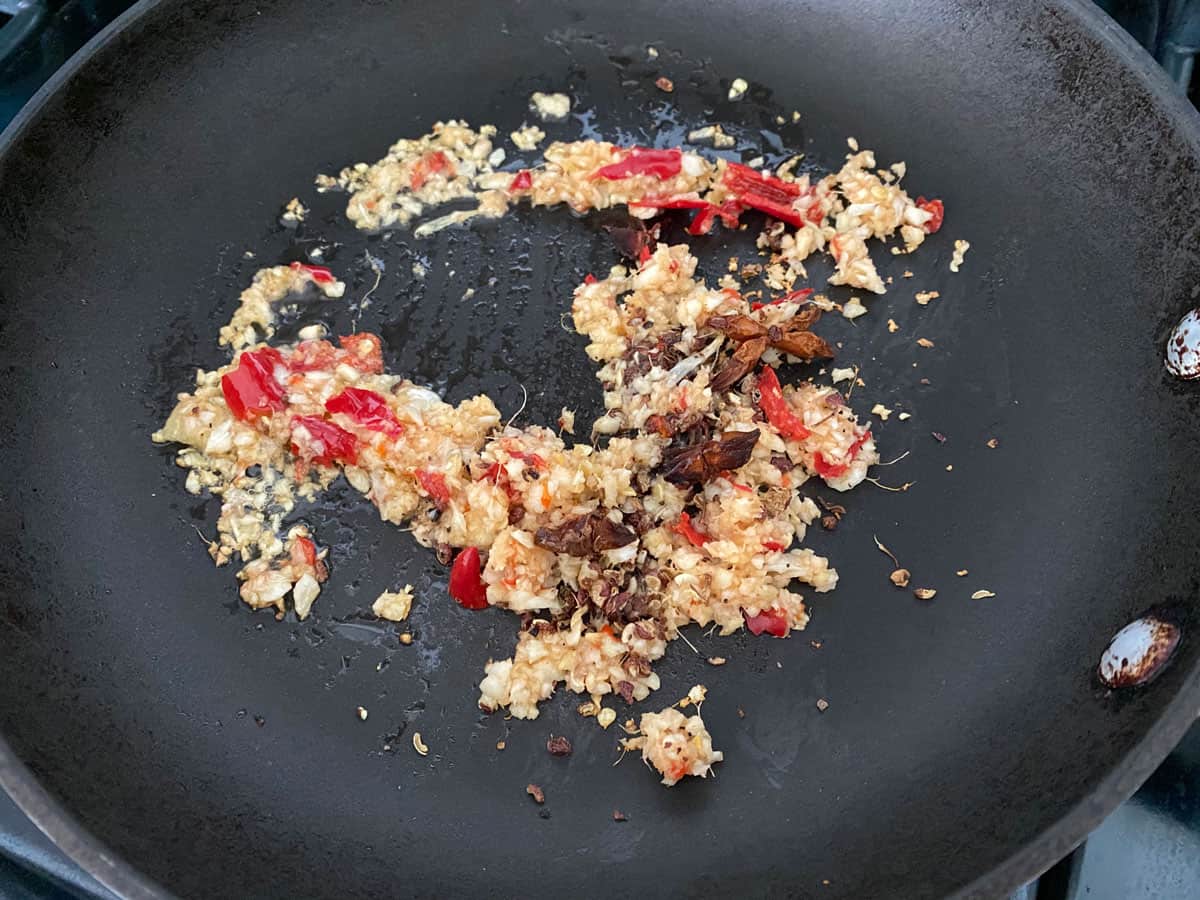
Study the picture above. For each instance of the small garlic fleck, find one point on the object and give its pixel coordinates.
(982, 595)
(925, 593)
(418, 744)
(900, 577)
(738, 88)
(606, 717)
(362, 713)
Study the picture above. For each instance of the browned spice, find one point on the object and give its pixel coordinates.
(664, 84)
(585, 535)
(558, 745)
(702, 462)
(538, 795)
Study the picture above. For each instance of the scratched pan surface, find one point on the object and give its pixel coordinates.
(175, 741)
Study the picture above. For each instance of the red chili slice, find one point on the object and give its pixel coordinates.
(466, 580)
(251, 389)
(690, 532)
(644, 161)
(937, 209)
(680, 202)
(777, 410)
(728, 212)
(826, 469)
(319, 274)
(367, 409)
(316, 440)
(306, 550)
(763, 192)
(523, 181)
(771, 622)
(434, 484)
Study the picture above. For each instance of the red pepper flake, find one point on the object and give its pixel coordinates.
(689, 532)
(466, 580)
(365, 351)
(251, 389)
(434, 484)
(366, 408)
(774, 546)
(644, 255)
(429, 165)
(531, 458)
(316, 440)
(938, 436)
(589, 278)
(319, 274)
(937, 209)
(311, 356)
(644, 161)
(772, 622)
(523, 181)
(777, 410)
(738, 486)
(763, 192)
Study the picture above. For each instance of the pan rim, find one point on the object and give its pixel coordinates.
(1029, 861)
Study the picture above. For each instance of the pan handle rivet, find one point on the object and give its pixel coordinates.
(1138, 652)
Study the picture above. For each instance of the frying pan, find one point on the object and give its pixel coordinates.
(174, 741)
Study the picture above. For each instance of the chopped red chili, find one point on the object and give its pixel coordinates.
(523, 181)
(430, 164)
(689, 532)
(366, 352)
(319, 274)
(367, 409)
(589, 278)
(777, 410)
(937, 209)
(772, 622)
(826, 469)
(532, 458)
(466, 580)
(763, 192)
(251, 389)
(728, 212)
(316, 440)
(774, 546)
(434, 484)
(644, 161)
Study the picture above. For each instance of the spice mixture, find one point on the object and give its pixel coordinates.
(680, 505)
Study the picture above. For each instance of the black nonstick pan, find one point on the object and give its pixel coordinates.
(175, 742)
